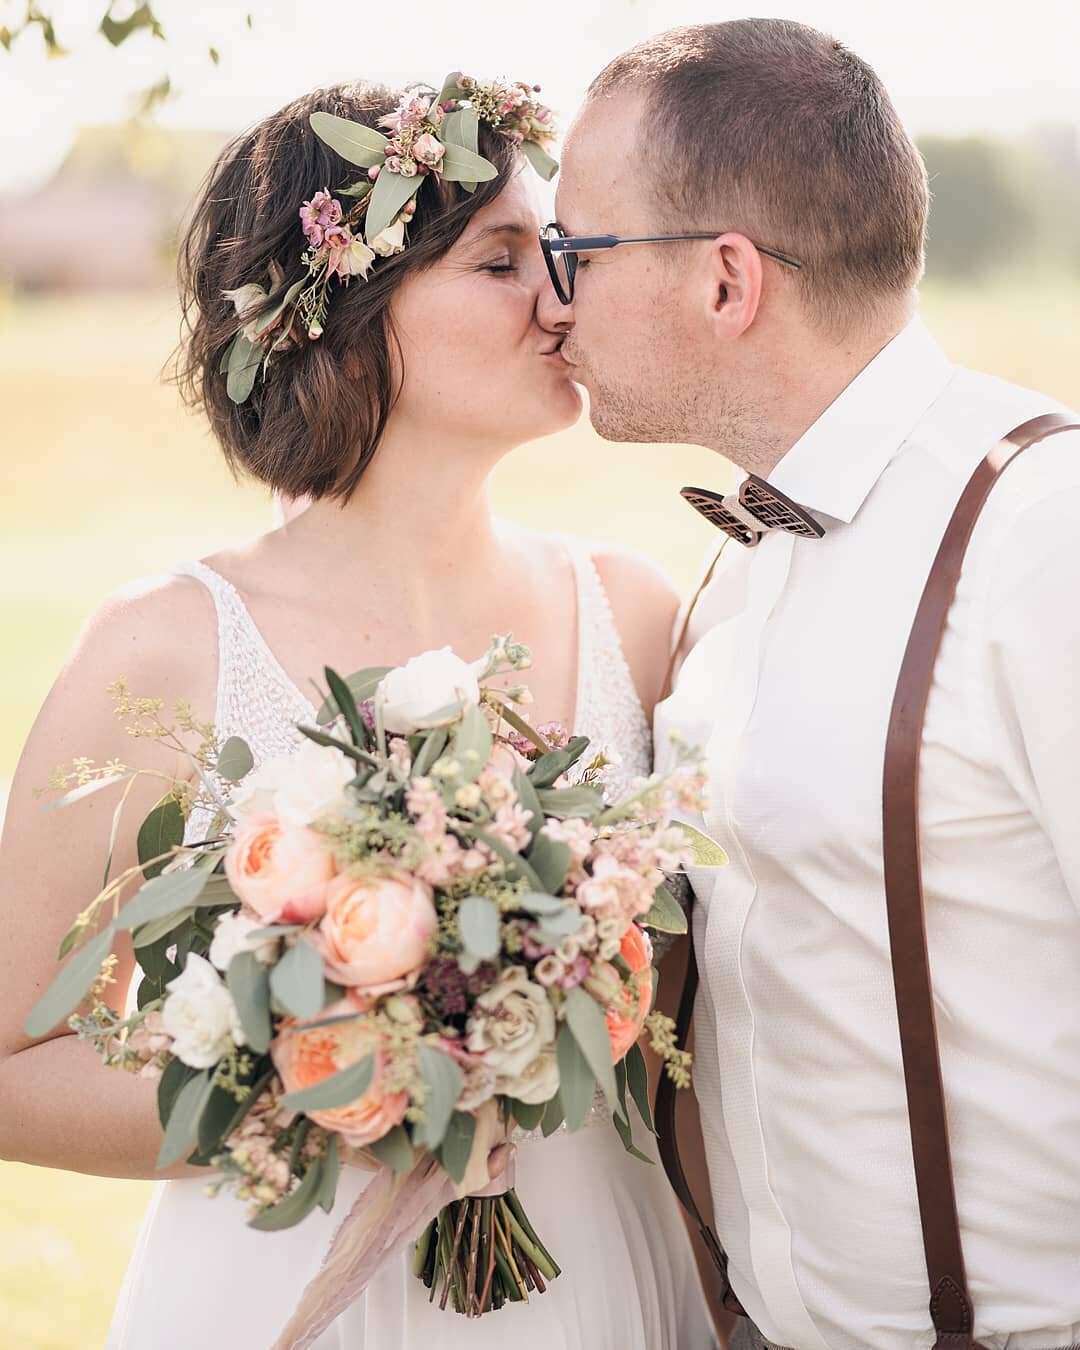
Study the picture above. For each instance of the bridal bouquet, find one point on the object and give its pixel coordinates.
(425, 927)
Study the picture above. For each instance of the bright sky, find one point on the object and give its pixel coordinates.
(951, 65)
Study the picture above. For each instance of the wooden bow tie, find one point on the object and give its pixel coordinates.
(751, 512)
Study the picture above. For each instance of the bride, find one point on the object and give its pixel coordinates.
(431, 365)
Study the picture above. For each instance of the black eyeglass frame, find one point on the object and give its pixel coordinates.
(571, 245)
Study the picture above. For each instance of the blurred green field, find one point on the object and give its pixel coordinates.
(106, 477)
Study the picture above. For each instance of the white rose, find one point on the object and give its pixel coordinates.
(412, 694)
(200, 1015)
(513, 1025)
(232, 935)
(296, 788)
(391, 240)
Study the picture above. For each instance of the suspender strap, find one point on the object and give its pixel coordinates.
(669, 1138)
(950, 1301)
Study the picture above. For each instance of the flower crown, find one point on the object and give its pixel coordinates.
(430, 135)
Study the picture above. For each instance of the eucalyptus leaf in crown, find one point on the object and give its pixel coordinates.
(430, 135)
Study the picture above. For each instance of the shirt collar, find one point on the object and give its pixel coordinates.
(834, 465)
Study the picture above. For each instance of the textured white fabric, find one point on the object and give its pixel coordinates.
(790, 680)
(199, 1277)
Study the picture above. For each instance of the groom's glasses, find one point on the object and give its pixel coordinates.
(560, 252)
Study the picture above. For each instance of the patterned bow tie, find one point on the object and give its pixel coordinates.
(751, 512)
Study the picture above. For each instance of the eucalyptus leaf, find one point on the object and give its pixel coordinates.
(666, 915)
(637, 1077)
(86, 790)
(529, 800)
(389, 195)
(330, 1173)
(450, 90)
(170, 1084)
(462, 128)
(472, 744)
(433, 746)
(341, 1088)
(163, 895)
(626, 1135)
(360, 145)
(585, 1018)
(296, 981)
(478, 924)
(539, 902)
(235, 760)
(553, 1116)
(554, 927)
(581, 802)
(245, 358)
(70, 986)
(276, 930)
(183, 1126)
(453, 1153)
(149, 934)
(528, 1114)
(707, 852)
(297, 1205)
(343, 698)
(248, 981)
(444, 1080)
(577, 1082)
(160, 832)
(550, 860)
(394, 1150)
(541, 161)
(324, 738)
(547, 768)
(361, 684)
(461, 165)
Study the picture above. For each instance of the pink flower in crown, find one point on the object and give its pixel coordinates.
(315, 215)
(428, 150)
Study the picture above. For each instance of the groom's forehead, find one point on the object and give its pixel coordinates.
(598, 170)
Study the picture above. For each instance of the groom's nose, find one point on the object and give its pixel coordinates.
(551, 313)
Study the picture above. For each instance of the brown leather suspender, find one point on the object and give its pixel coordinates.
(950, 1302)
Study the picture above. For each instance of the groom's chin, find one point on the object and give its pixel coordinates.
(614, 423)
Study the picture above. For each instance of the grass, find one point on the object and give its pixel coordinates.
(106, 477)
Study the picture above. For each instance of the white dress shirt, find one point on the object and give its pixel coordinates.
(796, 649)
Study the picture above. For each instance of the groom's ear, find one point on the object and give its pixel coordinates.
(731, 285)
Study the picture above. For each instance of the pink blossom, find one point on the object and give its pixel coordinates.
(576, 974)
(511, 826)
(428, 150)
(444, 860)
(614, 891)
(426, 806)
(322, 211)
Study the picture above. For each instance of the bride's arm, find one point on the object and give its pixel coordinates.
(59, 1106)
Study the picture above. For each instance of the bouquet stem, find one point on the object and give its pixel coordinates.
(480, 1252)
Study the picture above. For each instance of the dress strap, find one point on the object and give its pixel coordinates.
(605, 685)
(252, 686)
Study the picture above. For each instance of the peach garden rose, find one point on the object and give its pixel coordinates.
(279, 872)
(377, 931)
(304, 1058)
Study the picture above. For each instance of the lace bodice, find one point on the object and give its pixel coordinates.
(257, 700)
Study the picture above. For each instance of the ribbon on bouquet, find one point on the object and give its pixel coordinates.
(392, 1210)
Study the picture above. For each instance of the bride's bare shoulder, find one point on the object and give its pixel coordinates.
(158, 633)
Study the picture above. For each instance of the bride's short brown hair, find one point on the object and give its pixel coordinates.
(312, 427)
(771, 128)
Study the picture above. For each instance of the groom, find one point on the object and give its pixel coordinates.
(782, 333)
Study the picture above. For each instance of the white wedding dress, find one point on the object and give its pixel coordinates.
(201, 1279)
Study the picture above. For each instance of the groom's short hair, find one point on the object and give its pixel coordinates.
(773, 129)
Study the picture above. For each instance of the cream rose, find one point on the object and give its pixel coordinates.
(200, 1015)
(232, 935)
(413, 694)
(296, 788)
(513, 1024)
(279, 873)
(377, 931)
